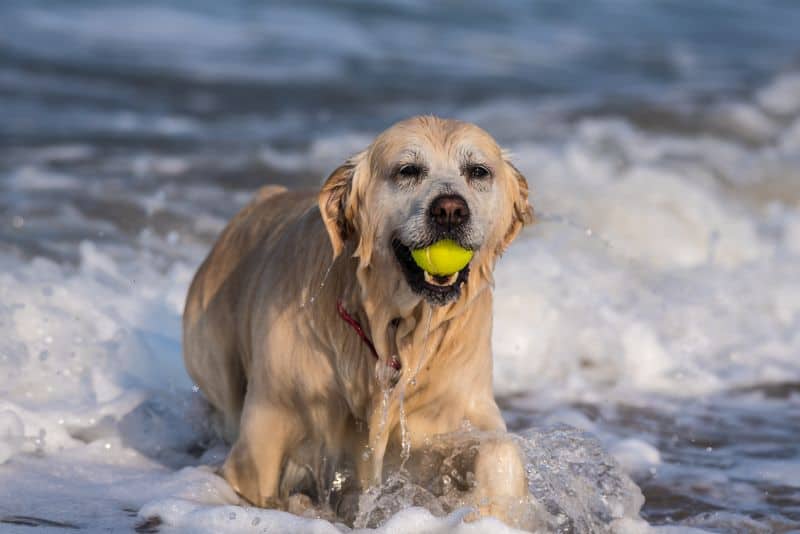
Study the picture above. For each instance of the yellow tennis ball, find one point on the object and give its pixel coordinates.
(443, 258)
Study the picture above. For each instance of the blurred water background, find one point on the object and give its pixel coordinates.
(655, 305)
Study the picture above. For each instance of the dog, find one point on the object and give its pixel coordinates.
(319, 341)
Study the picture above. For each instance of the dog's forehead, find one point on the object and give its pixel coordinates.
(433, 138)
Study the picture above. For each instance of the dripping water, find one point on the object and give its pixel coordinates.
(384, 412)
(424, 355)
(405, 438)
(316, 293)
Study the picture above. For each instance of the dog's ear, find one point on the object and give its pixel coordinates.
(335, 204)
(522, 212)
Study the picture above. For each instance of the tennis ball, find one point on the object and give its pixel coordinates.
(443, 258)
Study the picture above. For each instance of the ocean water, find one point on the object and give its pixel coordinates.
(654, 308)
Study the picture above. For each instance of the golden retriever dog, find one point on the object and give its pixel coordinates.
(322, 344)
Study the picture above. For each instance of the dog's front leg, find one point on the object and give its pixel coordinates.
(499, 472)
(500, 478)
(255, 464)
(382, 420)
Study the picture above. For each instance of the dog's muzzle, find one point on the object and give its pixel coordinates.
(447, 217)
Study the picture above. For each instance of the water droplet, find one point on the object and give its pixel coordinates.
(256, 521)
(232, 516)
(17, 221)
(313, 297)
(39, 441)
(44, 355)
(338, 481)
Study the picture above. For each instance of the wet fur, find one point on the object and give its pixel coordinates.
(298, 391)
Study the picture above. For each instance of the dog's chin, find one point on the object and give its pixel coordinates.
(437, 290)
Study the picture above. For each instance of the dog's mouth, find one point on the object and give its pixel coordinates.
(437, 289)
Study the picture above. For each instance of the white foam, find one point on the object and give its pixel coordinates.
(189, 516)
(782, 97)
(635, 456)
(657, 270)
(12, 434)
(645, 267)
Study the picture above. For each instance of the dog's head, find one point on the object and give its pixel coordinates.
(423, 180)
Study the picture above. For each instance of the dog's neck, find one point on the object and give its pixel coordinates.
(399, 323)
(405, 325)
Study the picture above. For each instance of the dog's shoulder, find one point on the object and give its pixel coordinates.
(267, 192)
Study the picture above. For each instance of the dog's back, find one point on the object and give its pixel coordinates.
(215, 353)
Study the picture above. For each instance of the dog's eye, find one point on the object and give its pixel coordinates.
(409, 171)
(477, 171)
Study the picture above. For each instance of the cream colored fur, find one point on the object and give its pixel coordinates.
(297, 389)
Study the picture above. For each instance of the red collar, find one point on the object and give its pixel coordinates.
(393, 362)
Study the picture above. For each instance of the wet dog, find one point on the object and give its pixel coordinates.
(323, 345)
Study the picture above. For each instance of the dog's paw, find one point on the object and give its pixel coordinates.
(299, 504)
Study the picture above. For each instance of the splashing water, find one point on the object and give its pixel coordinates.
(564, 467)
(574, 486)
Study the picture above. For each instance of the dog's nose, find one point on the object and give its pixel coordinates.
(448, 211)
